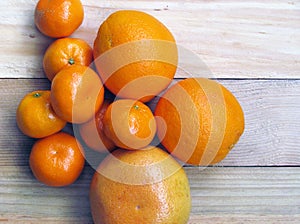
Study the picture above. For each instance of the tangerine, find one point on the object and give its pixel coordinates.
(130, 124)
(35, 116)
(76, 93)
(65, 52)
(58, 18)
(57, 160)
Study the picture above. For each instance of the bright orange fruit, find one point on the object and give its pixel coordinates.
(135, 54)
(65, 52)
(92, 131)
(130, 124)
(140, 186)
(58, 18)
(76, 93)
(57, 160)
(199, 121)
(35, 116)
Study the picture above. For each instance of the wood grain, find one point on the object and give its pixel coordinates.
(219, 195)
(272, 122)
(231, 39)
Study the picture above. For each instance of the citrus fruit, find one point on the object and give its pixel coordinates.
(56, 160)
(135, 54)
(66, 52)
(58, 18)
(140, 186)
(92, 131)
(35, 116)
(76, 93)
(199, 121)
(130, 124)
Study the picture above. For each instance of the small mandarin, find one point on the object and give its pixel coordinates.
(57, 160)
(76, 93)
(65, 52)
(35, 116)
(58, 18)
(130, 124)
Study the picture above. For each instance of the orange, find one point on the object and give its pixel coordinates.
(199, 121)
(65, 52)
(57, 160)
(140, 186)
(92, 131)
(35, 116)
(135, 55)
(58, 18)
(76, 93)
(130, 124)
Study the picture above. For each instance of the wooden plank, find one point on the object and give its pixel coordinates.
(248, 39)
(272, 114)
(219, 195)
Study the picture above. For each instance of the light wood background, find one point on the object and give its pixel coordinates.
(251, 47)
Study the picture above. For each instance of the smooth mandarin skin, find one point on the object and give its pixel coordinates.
(58, 18)
(140, 186)
(66, 52)
(77, 93)
(130, 124)
(57, 160)
(185, 117)
(35, 116)
(135, 54)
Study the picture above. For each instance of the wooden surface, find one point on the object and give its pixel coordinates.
(251, 47)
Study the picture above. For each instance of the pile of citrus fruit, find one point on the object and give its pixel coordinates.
(134, 57)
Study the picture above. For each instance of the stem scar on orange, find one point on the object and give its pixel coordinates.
(65, 52)
(35, 116)
(57, 160)
(130, 124)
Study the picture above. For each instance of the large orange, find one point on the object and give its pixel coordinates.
(58, 18)
(35, 116)
(92, 131)
(76, 93)
(135, 55)
(57, 160)
(66, 52)
(130, 124)
(199, 121)
(140, 186)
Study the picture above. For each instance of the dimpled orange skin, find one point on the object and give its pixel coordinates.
(162, 202)
(57, 160)
(130, 124)
(92, 132)
(58, 18)
(77, 93)
(65, 52)
(35, 116)
(128, 26)
(234, 119)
